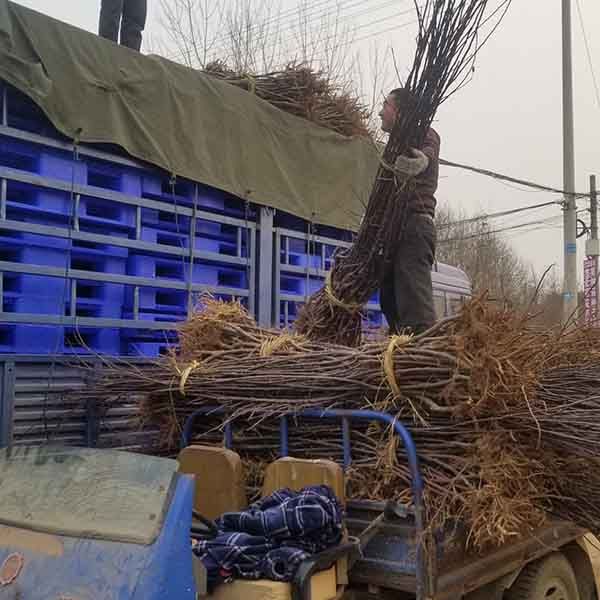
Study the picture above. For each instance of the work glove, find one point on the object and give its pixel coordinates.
(407, 168)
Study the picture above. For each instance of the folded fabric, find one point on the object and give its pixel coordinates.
(272, 537)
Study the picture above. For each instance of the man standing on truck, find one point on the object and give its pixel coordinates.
(406, 292)
(130, 15)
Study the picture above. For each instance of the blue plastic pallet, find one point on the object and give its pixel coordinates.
(100, 212)
(290, 283)
(33, 255)
(31, 339)
(16, 239)
(147, 343)
(178, 269)
(98, 261)
(168, 318)
(49, 339)
(24, 114)
(27, 202)
(157, 300)
(91, 341)
(182, 192)
(44, 206)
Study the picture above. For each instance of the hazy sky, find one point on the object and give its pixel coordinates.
(508, 119)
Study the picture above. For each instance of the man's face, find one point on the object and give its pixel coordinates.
(388, 113)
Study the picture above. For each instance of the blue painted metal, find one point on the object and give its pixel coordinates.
(347, 442)
(64, 567)
(284, 436)
(7, 402)
(346, 416)
(228, 438)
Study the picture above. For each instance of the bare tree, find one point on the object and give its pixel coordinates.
(192, 30)
(488, 259)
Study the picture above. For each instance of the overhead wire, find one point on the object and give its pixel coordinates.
(588, 52)
(359, 27)
(499, 230)
(521, 182)
(336, 13)
(502, 213)
(288, 26)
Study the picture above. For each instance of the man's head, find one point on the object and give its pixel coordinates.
(397, 100)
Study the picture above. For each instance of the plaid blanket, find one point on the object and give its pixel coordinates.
(273, 536)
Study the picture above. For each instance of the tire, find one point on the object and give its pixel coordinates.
(550, 578)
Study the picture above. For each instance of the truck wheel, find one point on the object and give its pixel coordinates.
(550, 578)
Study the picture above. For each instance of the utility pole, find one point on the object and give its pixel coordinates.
(570, 210)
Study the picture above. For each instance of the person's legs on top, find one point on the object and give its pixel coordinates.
(133, 23)
(110, 19)
(413, 292)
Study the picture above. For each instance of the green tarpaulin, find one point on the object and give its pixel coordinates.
(184, 121)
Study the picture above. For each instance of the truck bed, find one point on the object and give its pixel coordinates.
(389, 559)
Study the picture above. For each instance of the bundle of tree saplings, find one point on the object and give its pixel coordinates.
(450, 34)
(304, 92)
(504, 416)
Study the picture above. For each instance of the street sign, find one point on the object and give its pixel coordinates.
(590, 289)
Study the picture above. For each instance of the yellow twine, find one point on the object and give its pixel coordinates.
(396, 341)
(185, 375)
(349, 306)
(274, 343)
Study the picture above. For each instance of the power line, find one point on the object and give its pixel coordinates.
(503, 213)
(502, 177)
(588, 52)
(361, 26)
(217, 45)
(308, 7)
(257, 27)
(320, 16)
(500, 230)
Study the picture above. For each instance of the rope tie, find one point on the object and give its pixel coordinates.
(185, 374)
(396, 341)
(351, 307)
(273, 344)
